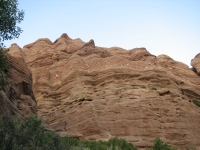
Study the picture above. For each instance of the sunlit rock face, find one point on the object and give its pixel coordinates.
(95, 93)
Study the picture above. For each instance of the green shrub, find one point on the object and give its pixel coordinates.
(196, 102)
(160, 145)
(30, 134)
(112, 144)
(120, 144)
(144, 87)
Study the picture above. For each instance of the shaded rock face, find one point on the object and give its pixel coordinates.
(195, 63)
(16, 97)
(96, 93)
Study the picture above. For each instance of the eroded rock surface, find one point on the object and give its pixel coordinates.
(96, 93)
(196, 63)
(16, 96)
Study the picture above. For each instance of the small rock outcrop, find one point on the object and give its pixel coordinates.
(94, 93)
(16, 96)
(195, 63)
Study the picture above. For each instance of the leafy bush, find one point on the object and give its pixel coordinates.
(196, 102)
(113, 144)
(160, 145)
(154, 88)
(120, 144)
(30, 134)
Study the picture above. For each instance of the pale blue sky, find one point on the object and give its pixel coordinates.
(170, 27)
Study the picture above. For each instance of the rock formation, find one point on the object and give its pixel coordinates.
(196, 63)
(16, 96)
(94, 93)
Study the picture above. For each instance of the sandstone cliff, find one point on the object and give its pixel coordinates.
(94, 93)
(16, 96)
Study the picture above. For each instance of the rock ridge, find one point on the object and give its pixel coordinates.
(95, 93)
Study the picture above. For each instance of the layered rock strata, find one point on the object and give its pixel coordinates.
(94, 93)
(16, 95)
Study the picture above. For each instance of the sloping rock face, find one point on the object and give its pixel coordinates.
(16, 96)
(96, 93)
(195, 63)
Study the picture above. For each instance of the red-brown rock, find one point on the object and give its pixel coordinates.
(196, 63)
(96, 93)
(16, 96)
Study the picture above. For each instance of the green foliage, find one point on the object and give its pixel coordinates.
(196, 102)
(120, 144)
(112, 144)
(144, 87)
(30, 134)
(10, 15)
(160, 145)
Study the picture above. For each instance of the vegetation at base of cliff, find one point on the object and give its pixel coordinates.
(196, 102)
(160, 145)
(30, 134)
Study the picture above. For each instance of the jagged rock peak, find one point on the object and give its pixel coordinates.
(65, 36)
(140, 49)
(14, 44)
(46, 40)
(90, 43)
(164, 57)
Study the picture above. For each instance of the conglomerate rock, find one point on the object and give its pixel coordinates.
(95, 93)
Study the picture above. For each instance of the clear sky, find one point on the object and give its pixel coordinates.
(170, 27)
